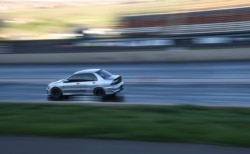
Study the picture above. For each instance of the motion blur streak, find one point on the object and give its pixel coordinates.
(213, 83)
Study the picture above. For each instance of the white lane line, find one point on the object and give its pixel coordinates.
(145, 80)
(210, 104)
(189, 80)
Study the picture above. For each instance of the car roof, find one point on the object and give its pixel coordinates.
(93, 70)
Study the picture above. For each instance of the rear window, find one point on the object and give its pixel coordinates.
(104, 74)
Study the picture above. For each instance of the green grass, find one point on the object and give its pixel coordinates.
(194, 124)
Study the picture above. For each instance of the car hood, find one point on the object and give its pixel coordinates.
(56, 82)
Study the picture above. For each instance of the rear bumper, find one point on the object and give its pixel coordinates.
(115, 88)
(118, 89)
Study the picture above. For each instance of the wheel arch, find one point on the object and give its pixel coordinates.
(56, 87)
(96, 89)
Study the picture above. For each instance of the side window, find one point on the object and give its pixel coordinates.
(89, 77)
(75, 78)
(82, 77)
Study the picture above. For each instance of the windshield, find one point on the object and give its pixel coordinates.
(104, 74)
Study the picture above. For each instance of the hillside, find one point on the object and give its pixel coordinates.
(37, 17)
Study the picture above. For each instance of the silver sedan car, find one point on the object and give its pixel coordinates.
(96, 82)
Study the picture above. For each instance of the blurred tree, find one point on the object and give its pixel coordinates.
(1, 23)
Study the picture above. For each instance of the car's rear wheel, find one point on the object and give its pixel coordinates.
(99, 92)
(56, 93)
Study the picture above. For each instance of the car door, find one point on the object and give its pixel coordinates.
(88, 83)
(71, 85)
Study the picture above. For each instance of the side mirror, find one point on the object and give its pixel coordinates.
(65, 81)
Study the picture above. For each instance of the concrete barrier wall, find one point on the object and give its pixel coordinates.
(121, 44)
(65, 51)
(170, 55)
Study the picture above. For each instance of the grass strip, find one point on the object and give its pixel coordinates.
(193, 124)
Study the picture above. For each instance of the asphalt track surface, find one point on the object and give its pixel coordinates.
(202, 83)
(44, 145)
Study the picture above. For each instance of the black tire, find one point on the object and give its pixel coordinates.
(99, 92)
(56, 93)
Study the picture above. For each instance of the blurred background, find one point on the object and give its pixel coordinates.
(50, 19)
(76, 25)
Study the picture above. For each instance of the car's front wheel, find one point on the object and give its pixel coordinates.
(56, 93)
